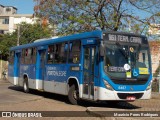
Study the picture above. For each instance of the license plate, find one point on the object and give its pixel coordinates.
(131, 98)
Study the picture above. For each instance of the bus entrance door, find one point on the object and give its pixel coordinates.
(88, 72)
(41, 69)
(17, 68)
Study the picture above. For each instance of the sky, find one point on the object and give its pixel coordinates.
(26, 6)
(23, 6)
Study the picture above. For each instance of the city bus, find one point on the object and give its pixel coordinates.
(95, 66)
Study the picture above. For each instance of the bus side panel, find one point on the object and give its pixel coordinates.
(32, 76)
(11, 73)
(56, 78)
(29, 71)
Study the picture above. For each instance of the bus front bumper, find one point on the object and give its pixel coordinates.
(105, 94)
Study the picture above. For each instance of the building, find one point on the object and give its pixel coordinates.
(16, 19)
(9, 19)
(7, 10)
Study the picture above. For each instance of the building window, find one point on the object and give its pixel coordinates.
(8, 9)
(6, 21)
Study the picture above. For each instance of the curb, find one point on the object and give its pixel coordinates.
(93, 113)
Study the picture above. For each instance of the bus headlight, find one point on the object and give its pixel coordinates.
(149, 86)
(108, 86)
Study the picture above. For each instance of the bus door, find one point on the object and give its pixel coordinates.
(17, 68)
(42, 63)
(41, 68)
(89, 71)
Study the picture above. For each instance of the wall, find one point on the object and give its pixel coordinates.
(155, 54)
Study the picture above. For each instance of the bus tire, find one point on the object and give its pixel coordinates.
(73, 95)
(25, 85)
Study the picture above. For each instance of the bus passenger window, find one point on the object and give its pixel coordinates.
(50, 54)
(23, 56)
(63, 53)
(33, 55)
(74, 52)
(57, 53)
(28, 56)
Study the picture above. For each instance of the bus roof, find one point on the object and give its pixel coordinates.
(93, 34)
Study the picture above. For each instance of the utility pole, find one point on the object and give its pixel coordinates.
(18, 34)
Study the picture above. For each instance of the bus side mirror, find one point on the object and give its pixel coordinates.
(102, 50)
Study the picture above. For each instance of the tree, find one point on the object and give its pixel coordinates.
(27, 34)
(30, 32)
(72, 16)
(7, 41)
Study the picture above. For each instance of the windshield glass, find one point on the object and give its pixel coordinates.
(126, 61)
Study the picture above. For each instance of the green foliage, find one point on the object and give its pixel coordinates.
(72, 16)
(27, 34)
(7, 41)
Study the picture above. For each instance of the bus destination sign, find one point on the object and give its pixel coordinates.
(124, 38)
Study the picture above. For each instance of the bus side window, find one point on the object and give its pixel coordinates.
(63, 52)
(33, 55)
(60, 53)
(74, 52)
(29, 57)
(56, 54)
(51, 54)
(23, 56)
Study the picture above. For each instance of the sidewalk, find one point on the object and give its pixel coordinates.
(2, 81)
(149, 107)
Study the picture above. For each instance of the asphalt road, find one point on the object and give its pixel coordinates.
(12, 98)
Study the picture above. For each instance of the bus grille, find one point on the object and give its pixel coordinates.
(124, 95)
(130, 82)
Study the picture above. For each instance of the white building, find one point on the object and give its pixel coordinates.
(16, 19)
(9, 19)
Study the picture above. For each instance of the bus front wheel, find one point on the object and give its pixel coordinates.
(25, 85)
(73, 95)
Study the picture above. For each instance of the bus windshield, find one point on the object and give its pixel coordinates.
(126, 61)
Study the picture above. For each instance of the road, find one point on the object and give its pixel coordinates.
(12, 98)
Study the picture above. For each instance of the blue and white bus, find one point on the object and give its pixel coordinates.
(96, 66)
